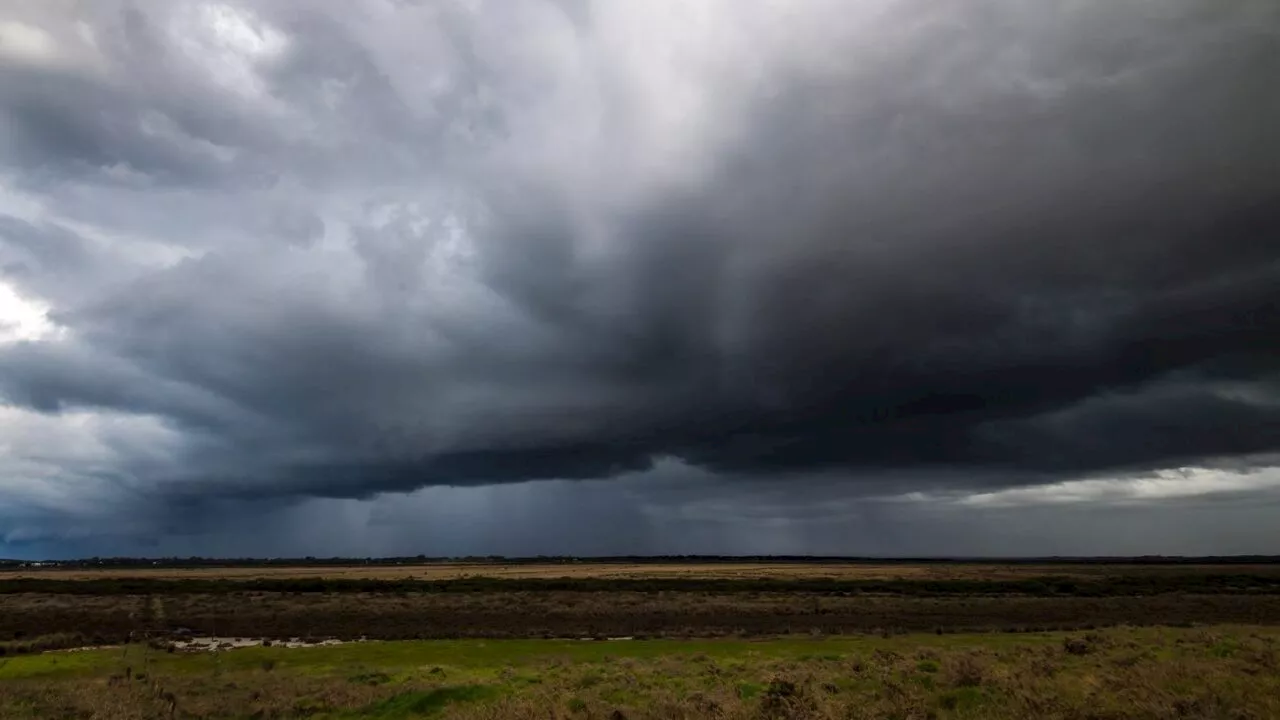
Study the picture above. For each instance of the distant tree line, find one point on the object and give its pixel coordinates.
(1134, 584)
(216, 562)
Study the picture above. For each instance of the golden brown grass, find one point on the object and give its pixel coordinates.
(714, 571)
(1221, 672)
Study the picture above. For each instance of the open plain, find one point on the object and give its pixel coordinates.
(650, 640)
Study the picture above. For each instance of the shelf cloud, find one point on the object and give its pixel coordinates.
(262, 252)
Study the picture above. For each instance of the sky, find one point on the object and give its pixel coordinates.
(449, 277)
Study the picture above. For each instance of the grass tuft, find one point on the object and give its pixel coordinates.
(426, 702)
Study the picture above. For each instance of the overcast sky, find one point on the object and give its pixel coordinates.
(998, 277)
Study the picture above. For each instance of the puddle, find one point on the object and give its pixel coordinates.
(216, 644)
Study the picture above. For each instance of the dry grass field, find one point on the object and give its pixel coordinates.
(638, 571)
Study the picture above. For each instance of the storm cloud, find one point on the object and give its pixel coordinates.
(259, 252)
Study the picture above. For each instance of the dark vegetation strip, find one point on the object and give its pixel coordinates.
(1049, 586)
(30, 623)
(202, 562)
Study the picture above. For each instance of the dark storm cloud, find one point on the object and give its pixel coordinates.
(995, 243)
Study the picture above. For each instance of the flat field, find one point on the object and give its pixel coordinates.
(644, 571)
(1219, 672)
(48, 609)
(644, 640)
(31, 621)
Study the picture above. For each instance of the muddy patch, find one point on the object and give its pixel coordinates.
(218, 644)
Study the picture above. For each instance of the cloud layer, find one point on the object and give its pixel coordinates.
(254, 250)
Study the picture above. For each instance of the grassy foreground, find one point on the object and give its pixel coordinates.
(1216, 672)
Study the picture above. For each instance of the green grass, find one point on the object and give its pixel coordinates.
(479, 655)
(424, 703)
(1122, 672)
(749, 690)
(57, 663)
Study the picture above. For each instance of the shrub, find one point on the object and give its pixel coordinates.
(967, 672)
(1076, 646)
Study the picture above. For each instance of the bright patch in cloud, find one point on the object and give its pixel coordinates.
(1162, 485)
(229, 43)
(24, 43)
(22, 319)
